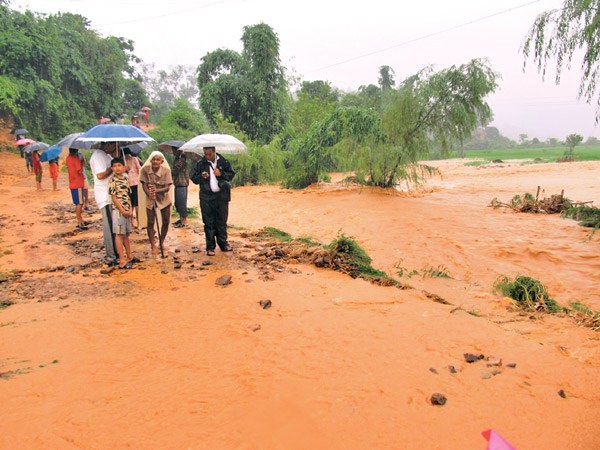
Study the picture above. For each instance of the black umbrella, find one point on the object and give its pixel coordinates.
(168, 146)
(135, 149)
(19, 131)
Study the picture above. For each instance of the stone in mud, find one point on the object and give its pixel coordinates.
(438, 399)
(206, 263)
(470, 357)
(223, 280)
(512, 365)
(485, 375)
(70, 269)
(432, 370)
(255, 327)
(562, 393)
(177, 266)
(265, 304)
(249, 280)
(494, 361)
(164, 271)
(451, 369)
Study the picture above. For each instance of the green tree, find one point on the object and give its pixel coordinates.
(560, 34)
(249, 88)
(57, 74)
(429, 109)
(386, 78)
(572, 141)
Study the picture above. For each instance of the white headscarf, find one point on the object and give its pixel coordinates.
(142, 199)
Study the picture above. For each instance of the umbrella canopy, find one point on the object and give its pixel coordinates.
(72, 141)
(223, 143)
(36, 146)
(24, 141)
(168, 146)
(114, 133)
(145, 108)
(19, 131)
(51, 153)
(135, 149)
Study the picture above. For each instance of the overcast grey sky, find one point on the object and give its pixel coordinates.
(345, 43)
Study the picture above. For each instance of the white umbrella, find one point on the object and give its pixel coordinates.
(223, 143)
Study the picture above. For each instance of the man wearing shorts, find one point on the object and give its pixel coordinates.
(76, 185)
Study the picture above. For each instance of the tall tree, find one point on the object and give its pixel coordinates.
(248, 88)
(560, 34)
(56, 74)
(386, 78)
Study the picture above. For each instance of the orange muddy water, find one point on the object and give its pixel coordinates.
(164, 358)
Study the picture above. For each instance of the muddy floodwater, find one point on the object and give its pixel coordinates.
(163, 357)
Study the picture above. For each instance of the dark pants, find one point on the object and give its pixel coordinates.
(215, 210)
(181, 200)
(107, 232)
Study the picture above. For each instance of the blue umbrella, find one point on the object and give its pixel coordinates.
(50, 153)
(114, 133)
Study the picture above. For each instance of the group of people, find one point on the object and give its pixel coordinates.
(117, 176)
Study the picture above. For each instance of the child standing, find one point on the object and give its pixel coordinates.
(37, 169)
(118, 189)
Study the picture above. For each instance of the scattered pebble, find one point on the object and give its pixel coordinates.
(451, 369)
(432, 370)
(255, 327)
(485, 375)
(562, 393)
(438, 399)
(512, 365)
(265, 304)
(223, 280)
(249, 280)
(164, 271)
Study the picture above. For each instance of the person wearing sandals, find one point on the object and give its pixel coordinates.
(181, 180)
(76, 185)
(118, 189)
(214, 173)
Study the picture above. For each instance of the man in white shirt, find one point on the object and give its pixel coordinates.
(100, 166)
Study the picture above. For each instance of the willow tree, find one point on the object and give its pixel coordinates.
(248, 88)
(560, 34)
(430, 108)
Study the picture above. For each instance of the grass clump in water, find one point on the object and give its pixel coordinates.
(353, 258)
(528, 292)
(587, 216)
(440, 271)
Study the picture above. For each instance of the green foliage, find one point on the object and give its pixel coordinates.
(440, 271)
(309, 154)
(276, 233)
(528, 292)
(247, 89)
(562, 33)
(588, 216)
(263, 164)
(57, 75)
(355, 256)
(572, 141)
(182, 121)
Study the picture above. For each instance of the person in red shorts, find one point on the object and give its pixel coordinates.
(76, 185)
(53, 166)
(37, 169)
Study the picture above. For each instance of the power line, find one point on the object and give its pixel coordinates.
(167, 14)
(422, 37)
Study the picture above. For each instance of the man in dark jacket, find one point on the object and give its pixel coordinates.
(213, 173)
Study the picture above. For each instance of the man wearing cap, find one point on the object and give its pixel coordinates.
(213, 173)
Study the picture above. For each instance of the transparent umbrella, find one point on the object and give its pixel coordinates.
(223, 143)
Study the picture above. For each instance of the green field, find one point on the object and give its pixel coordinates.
(546, 154)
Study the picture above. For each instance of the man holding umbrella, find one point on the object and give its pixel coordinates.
(101, 169)
(213, 173)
